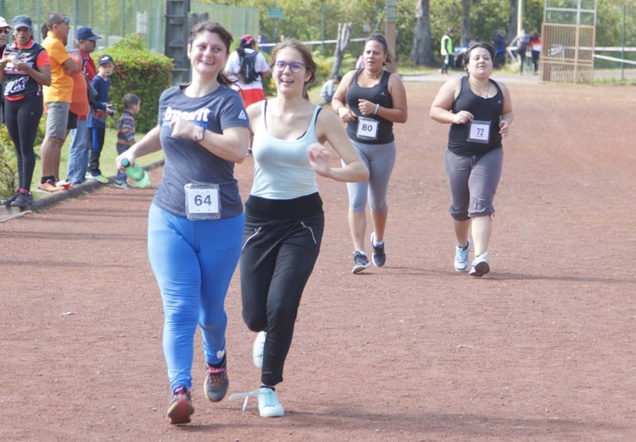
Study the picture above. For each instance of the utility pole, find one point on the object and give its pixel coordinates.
(390, 31)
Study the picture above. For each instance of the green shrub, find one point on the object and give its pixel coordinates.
(141, 72)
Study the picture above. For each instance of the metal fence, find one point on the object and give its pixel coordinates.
(113, 19)
(568, 53)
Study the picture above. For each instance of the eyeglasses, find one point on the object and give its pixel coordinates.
(295, 66)
(6, 31)
(66, 20)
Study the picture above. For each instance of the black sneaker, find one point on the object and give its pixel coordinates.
(23, 200)
(379, 256)
(216, 381)
(360, 262)
(180, 407)
(9, 200)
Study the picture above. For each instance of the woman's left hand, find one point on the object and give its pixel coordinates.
(503, 128)
(319, 158)
(366, 107)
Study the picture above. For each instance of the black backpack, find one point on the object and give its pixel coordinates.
(248, 66)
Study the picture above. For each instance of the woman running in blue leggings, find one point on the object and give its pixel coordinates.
(196, 219)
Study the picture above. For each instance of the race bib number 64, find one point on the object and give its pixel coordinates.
(202, 201)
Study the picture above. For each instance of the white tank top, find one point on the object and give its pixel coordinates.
(281, 168)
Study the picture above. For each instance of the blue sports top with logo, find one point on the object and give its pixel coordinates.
(378, 94)
(483, 109)
(187, 162)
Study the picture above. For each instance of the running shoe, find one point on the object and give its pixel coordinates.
(216, 381)
(379, 255)
(122, 184)
(258, 349)
(9, 200)
(48, 188)
(100, 178)
(180, 407)
(480, 265)
(461, 258)
(268, 403)
(23, 200)
(360, 262)
(64, 184)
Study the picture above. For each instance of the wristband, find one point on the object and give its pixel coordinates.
(377, 106)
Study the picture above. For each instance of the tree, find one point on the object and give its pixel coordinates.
(465, 39)
(422, 43)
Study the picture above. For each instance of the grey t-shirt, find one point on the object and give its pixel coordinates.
(189, 162)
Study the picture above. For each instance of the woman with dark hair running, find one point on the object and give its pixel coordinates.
(284, 220)
(479, 111)
(370, 100)
(196, 220)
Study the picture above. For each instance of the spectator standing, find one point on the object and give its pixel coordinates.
(80, 136)
(57, 97)
(284, 220)
(96, 121)
(5, 30)
(194, 249)
(447, 50)
(329, 88)
(500, 49)
(248, 84)
(521, 47)
(479, 111)
(535, 50)
(24, 69)
(370, 100)
(126, 133)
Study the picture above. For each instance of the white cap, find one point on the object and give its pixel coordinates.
(3, 23)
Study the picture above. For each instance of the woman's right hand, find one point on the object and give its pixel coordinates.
(127, 155)
(345, 114)
(462, 117)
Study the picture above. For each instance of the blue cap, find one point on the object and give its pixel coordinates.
(86, 33)
(21, 21)
(105, 59)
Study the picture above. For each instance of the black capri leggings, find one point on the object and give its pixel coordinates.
(22, 118)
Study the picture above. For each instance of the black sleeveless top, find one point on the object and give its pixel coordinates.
(19, 83)
(378, 94)
(483, 109)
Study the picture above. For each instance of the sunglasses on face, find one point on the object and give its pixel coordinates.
(5, 31)
(66, 20)
(294, 66)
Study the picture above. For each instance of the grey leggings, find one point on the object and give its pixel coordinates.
(380, 159)
(473, 183)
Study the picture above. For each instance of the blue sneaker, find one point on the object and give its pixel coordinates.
(360, 262)
(379, 255)
(461, 258)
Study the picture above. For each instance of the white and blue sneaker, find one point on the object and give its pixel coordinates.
(480, 265)
(268, 403)
(258, 349)
(461, 258)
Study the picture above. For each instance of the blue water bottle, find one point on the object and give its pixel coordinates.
(137, 174)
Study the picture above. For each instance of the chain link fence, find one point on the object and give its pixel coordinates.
(113, 19)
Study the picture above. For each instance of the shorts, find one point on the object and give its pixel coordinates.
(251, 96)
(72, 121)
(57, 119)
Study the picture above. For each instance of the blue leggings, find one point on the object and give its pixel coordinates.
(193, 262)
(380, 159)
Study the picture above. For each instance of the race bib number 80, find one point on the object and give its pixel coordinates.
(367, 129)
(202, 201)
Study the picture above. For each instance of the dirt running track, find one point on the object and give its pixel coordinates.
(542, 349)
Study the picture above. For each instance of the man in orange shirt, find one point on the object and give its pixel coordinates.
(57, 97)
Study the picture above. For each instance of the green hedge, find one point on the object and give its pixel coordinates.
(141, 72)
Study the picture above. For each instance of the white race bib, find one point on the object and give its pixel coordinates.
(367, 128)
(479, 132)
(202, 201)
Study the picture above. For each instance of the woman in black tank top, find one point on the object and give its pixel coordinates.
(479, 111)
